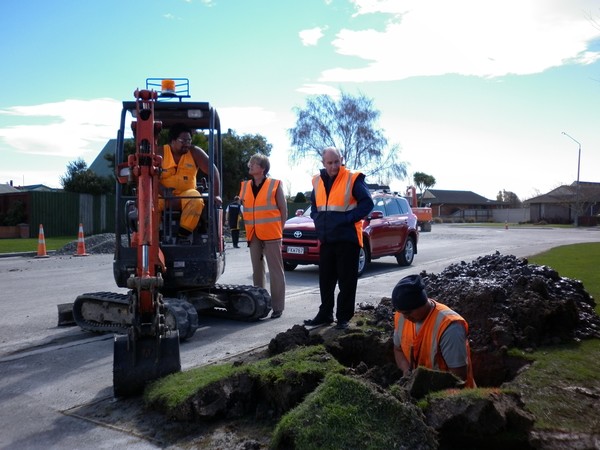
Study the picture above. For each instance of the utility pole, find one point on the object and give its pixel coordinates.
(577, 187)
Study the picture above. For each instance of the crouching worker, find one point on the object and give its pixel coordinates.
(181, 162)
(429, 334)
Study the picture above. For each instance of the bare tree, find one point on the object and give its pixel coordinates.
(350, 125)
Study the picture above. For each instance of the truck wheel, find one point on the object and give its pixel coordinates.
(426, 227)
(406, 256)
(289, 266)
(363, 259)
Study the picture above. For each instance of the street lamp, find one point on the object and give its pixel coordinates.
(577, 189)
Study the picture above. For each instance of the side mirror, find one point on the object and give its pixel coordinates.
(375, 215)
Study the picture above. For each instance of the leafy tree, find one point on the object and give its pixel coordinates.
(423, 181)
(350, 125)
(300, 198)
(237, 151)
(509, 197)
(15, 214)
(82, 180)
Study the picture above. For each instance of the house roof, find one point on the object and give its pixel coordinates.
(5, 188)
(588, 191)
(439, 197)
(101, 166)
(37, 187)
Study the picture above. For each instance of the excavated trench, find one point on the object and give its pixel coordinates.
(507, 303)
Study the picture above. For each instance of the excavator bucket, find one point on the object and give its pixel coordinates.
(137, 362)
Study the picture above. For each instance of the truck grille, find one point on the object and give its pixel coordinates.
(306, 235)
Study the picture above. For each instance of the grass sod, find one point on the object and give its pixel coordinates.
(174, 390)
(345, 413)
(31, 244)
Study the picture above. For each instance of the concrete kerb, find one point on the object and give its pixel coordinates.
(8, 255)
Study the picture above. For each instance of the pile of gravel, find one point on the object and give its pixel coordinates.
(96, 244)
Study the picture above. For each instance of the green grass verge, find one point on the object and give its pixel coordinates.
(554, 387)
(31, 244)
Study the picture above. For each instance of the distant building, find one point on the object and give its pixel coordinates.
(37, 188)
(459, 204)
(6, 188)
(101, 166)
(560, 205)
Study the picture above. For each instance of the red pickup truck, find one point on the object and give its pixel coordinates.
(390, 229)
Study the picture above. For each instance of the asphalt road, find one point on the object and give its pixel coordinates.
(48, 373)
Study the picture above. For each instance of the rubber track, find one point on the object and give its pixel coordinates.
(100, 297)
(260, 297)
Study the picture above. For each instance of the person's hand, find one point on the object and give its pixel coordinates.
(218, 201)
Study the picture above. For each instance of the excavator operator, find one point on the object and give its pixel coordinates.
(181, 162)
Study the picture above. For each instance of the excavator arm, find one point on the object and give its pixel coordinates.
(150, 349)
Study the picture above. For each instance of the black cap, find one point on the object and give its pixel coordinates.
(409, 293)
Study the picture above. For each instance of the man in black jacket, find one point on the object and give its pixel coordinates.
(340, 200)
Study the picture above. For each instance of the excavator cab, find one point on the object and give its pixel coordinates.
(193, 266)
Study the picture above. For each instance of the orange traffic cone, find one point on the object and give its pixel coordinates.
(80, 243)
(41, 251)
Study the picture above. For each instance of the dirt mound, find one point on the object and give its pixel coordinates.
(510, 303)
(507, 302)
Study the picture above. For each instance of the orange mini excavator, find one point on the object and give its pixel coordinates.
(170, 284)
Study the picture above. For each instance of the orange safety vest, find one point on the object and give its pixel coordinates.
(340, 197)
(180, 177)
(422, 349)
(261, 214)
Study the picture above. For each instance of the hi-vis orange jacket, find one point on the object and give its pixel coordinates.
(422, 349)
(333, 208)
(261, 215)
(181, 177)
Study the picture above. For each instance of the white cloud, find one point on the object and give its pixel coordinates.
(246, 120)
(467, 37)
(319, 89)
(71, 128)
(311, 36)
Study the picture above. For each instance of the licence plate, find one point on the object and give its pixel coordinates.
(296, 250)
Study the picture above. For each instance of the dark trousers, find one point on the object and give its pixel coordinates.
(235, 237)
(338, 264)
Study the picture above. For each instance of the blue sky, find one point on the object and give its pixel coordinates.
(475, 92)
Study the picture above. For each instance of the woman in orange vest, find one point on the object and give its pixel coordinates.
(429, 334)
(265, 212)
